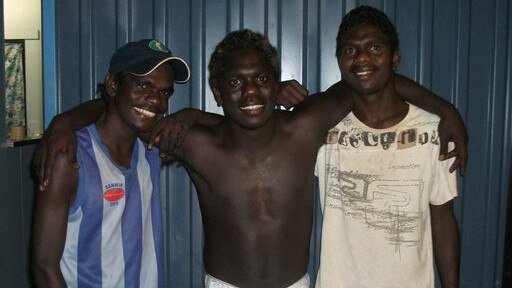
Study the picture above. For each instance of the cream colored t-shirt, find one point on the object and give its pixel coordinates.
(376, 187)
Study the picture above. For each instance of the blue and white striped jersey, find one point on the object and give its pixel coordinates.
(114, 234)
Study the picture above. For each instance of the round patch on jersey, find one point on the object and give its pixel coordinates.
(113, 194)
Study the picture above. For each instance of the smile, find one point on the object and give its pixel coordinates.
(363, 73)
(144, 112)
(251, 107)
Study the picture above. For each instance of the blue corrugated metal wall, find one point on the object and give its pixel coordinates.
(460, 49)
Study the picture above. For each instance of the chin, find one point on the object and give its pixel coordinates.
(367, 89)
(256, 125)
(142, 127)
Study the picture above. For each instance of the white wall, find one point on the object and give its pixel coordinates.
(22, 20)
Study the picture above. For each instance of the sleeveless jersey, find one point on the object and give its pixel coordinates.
(114, 233)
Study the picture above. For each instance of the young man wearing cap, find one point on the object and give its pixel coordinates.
(101, 226)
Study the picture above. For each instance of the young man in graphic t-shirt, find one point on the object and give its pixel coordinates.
(387, 201)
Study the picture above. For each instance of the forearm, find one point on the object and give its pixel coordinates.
(445, 237)
(83, 115)
(418, 95)
(193, 116)
(47, 246)
(328, 108)
(170, 131)
(48, 277)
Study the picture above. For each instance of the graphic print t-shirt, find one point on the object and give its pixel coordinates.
(376, 186)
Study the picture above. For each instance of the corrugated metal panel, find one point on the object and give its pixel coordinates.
(3, 126)
(486, 109)
(16, 192)
(461, 49)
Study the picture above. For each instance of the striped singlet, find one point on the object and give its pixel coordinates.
(114, 234)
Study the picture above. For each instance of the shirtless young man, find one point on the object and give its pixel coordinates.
(253, 171)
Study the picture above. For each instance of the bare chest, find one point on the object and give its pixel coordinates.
(268, 182)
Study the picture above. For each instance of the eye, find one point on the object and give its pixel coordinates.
(233, 82)
(375, 48)
(349, 50)
(262, 78)
(167, 93)
(142, 85)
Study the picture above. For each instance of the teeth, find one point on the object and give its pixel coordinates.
(363, 73)
(144, 112)
(251, 107)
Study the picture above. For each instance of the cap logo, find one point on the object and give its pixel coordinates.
(157, 46)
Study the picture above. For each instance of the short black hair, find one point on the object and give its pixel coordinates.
(101, 89)
(367, 15)
(237, 40)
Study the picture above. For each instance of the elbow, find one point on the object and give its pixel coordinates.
(43, 271)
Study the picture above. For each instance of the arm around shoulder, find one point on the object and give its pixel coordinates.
(326, 109)
(451, 126)
(60, 137)
(169, 133)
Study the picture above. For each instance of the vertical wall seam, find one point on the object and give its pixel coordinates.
(319, 53)
(419, 38)
(305, 46)
(202, 53)
(242, 16)
(493, 134)
(504, 161)
(92, 62)
(490, 118)
(266, 16)
(465, 82)
(507, 149)
(80, 49)
(279, 27)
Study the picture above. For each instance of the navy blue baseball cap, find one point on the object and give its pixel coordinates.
(142, 57)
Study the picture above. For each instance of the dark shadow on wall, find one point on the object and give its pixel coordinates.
(507, 263)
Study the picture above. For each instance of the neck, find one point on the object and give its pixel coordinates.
(252, 140)
(380, 110)
(119, 141)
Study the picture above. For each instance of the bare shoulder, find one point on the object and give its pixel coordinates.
(203, 133)
(200, 139)
(321, 111)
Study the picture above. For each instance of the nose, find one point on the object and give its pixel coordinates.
(156, 100)
(152, 97)
(250, 87)
(362, 56)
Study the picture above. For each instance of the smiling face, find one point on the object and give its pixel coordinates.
(140, 101)
(366, 60)
(247, 89)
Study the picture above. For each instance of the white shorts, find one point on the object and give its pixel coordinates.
(212, 282)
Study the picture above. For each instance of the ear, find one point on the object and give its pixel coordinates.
(396, 58)
(111, 85)
(217, 96)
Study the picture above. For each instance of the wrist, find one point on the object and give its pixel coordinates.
(448, 109)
